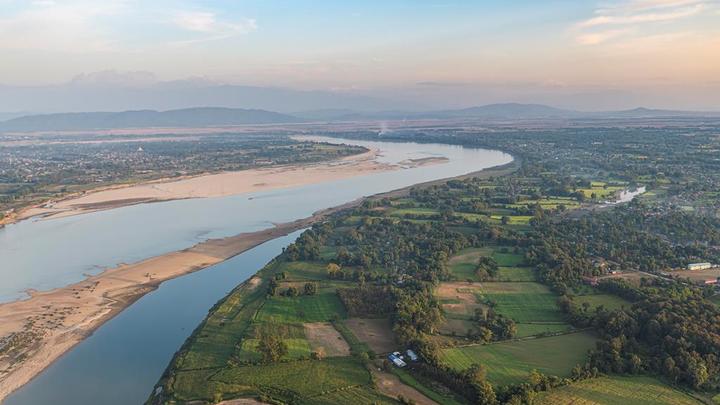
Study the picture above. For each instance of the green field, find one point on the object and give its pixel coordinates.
(715, 299)
(297, 349)
(616, 390)
(611, 302)
(532, 329)
(296, 381)
(354, 395)
(514, 219)
(516, 274)
(464, 264)
(523, 301)
(410, 380)
(508, 259)
(510, 362)
(316, 308)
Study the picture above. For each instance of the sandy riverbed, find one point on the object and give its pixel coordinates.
(213, 185)
(36, 331)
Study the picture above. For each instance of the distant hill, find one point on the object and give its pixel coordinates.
(504, 111)
(642, 112)
(510, 110)
(189, 117)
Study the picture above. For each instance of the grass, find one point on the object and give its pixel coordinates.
(315, 308)
(533, 329)
(354, 395)
(636, 390)
(524, 302)
(514, 219)
(295, 381)
(609, 301)
(411, 381)
(304, 270)
(715, 299)
(297, 349)
(516, 274)
(508, 259)
(510, 362)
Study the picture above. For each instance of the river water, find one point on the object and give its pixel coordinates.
(123, 359)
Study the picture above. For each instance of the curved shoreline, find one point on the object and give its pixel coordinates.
(53, 322)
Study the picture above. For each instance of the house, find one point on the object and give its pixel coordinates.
(593, 281)
(411, 355)
(699, 266)
(397, 360)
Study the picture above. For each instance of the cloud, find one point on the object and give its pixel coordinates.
(594, 38)
(207, 23)
(71, 26)
(643, 17)
(631, 16)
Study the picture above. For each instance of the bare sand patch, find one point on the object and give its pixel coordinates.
(324, 337)
(377, 333)
(212, 185)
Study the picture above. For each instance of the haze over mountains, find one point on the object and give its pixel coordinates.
(223, 116)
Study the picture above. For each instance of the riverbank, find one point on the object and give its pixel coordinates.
(213, 185)
(40, 329)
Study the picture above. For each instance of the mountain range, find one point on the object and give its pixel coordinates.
(222, 116)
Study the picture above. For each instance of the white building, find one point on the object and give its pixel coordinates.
(699, 266)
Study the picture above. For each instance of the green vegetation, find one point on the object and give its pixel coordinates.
(617, 390)
(510, 363)
(609, 301)
(316, 308)
(526, 261)
(523, 302)
(411, 381)
(298, 380)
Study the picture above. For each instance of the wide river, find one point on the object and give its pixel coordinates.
(123, 359)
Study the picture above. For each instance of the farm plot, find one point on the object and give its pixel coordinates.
(610, 302)
(296, 381)
(376, 333)
(637, 390)
(524, 302)
(510, 362)
(323, 337)
(313, 308)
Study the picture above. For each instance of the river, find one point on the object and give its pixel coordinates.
(123, 359)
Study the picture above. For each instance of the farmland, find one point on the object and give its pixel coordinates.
(488, 271)
(617, 389)
(510, 362)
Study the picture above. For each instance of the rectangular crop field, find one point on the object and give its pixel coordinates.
(523, 301)
(314, 308)
(636, 390)
(511, 362)
(609, 301)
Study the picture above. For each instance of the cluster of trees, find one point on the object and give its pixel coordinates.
(368, 300)
(568, 250)
(487, 268)
(420, 250)
(673, 331)
(492, 326)
(271, 346)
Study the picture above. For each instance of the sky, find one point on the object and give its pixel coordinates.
(585, 54)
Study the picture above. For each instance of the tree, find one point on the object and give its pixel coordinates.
(271, 347)
(333, 270)
(310, 288)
